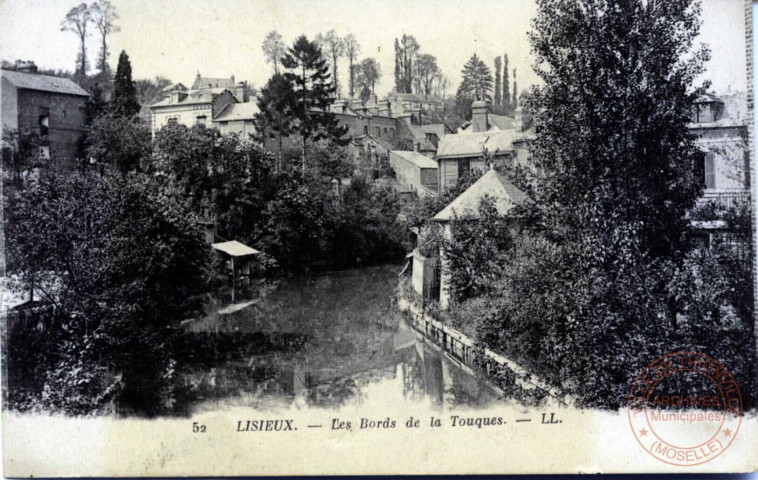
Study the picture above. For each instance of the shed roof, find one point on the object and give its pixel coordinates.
(471, 144)
(235, 248)
(492, 184)
(44, 83)
(416, 158)
(237, 111)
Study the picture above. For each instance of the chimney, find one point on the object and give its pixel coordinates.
(240, 91)
(373, 99)
(339, 106)
(384, 108)
(480, 116)
(26, 66)
(356, 105)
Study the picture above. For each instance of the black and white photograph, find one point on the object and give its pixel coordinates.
(348, 237)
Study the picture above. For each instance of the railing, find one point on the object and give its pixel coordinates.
(725, 198)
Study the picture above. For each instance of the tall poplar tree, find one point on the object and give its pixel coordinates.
(498, 94)
(616, 161)
(506, 100)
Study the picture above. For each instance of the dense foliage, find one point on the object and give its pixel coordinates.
(106, 251)
(604, 276)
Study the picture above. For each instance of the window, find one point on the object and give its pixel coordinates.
(392, 132)
(385, 131)
(201, 119)
(710, 170)
(377, 131)
(365, 129)
(173, 120)
(44, 121)
(463, 168)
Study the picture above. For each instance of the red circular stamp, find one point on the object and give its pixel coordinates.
(685, 408)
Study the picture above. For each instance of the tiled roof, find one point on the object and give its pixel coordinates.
(492, 185)
(416, 158)
(439, 128)
(192, 97)
(502, 122)
(471, 144)
(237, 111)
(44, 83)
(210, 82)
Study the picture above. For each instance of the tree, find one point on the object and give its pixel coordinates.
(124, 102)
(309, 74)
(427, 71)
(104, 16)
(119, 141)
(506, 100)
(149, 90)
(123, 264)
(476, 80)
(77, 20)
(370, 73)
(515, 90)
(332, 45)
(352, 49)
(273, 49)
(278, 107)
(20, 153)
(405, 57)
(617, 180)
(498, 94)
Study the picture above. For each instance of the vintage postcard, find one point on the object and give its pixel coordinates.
(312, 237)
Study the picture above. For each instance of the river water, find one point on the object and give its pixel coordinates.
(324, 340)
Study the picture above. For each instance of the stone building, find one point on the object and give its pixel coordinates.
(215, 102)
(52, 107)
(491, 185)
(720, 127)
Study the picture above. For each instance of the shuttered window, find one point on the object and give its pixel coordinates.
(710, 171)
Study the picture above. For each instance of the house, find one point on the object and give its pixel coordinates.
(237, 118)
(415, 102)
(493, 185)
(720, 127)
(52, 107)
(415, 170)
(214, 102)
(490, 138)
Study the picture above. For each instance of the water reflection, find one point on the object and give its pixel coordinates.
(325, 341)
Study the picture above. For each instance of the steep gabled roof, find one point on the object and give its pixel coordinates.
(493, 185)
(467, 144)
(237, 111)
(416, 158)
(43, 83)
(211, 82)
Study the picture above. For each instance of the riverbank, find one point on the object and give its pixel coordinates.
(514, 380)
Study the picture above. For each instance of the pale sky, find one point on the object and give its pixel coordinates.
(177, 38)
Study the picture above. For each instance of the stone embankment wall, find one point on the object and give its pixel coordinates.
(506, 374)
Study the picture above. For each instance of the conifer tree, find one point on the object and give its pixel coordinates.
(308, 73)
(124, 102)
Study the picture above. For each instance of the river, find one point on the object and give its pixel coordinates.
(323, 340)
